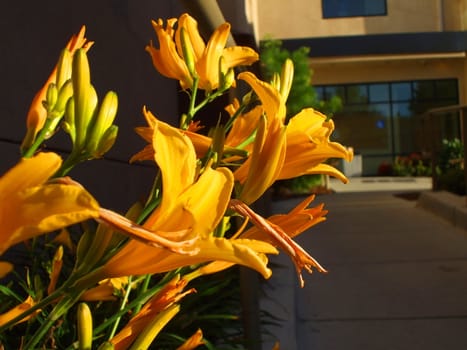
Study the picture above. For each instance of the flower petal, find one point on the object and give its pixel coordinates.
(43, 209)
(208, 65)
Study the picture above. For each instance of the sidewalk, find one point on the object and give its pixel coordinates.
(397, 279)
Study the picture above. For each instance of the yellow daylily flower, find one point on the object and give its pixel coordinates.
(30, 206)
(308, 146)
(192, 206)
(37, 114)
(183, 54)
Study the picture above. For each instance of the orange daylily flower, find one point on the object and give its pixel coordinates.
(298, 220)
(263, 166)
(193, 342)
(57, 264)
(278, 235)
(278, 230)
(37, 114)
(183, 54)
(307, 143)
(105, 290)
(31, 206)
(192, 206)
(308, 146)
(18, 310)
(162, 307)
(5, 268)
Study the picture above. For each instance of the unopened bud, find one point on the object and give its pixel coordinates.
(188, 52)
(64, 67)
(226, 77)
(84, 95)
(103, 121)
(84, 318)
(69, 123)
(286, 79)
(51, 96)
(64, 94)
(107, 141)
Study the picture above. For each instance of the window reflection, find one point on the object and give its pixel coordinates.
(383, 120)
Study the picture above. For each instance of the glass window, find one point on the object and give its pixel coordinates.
(401, 91)
(379, 92)
(424, 90)
(357, 94)
(320, 92)
(331, 91)
(353, 8)
(446, 89)
(365, 127)
(405, 135)
(384, 119)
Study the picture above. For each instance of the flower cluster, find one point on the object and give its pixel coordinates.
(187, 227)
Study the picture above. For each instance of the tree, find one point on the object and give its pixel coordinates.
(302, 93)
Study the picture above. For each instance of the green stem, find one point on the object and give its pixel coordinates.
(191, 106)
(142, 289)
(207, 100)
(58, 311)
(74, 158)
(122, 307)
(41, 136)
(140, 299)
(239, 111)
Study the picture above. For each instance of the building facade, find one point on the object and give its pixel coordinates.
(390, 61)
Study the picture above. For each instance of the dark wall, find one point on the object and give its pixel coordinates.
(34, 33)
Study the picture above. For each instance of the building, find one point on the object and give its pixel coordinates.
(389, 60)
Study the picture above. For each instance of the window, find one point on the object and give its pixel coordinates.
(382, 120)
(353, 8)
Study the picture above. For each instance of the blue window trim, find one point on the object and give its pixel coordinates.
(363, 14)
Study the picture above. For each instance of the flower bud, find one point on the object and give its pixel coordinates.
(69, 123)
(106, 142)
(57, 264)
(84, 95)
(64, 68)
(103, 122)
(64, 94)
(226, 77)
(188, 52)
(286, 79)
(51, 96)
(84, 319)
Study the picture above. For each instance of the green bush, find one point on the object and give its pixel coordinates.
(450, 168)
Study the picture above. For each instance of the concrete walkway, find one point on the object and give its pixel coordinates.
(397, 279)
